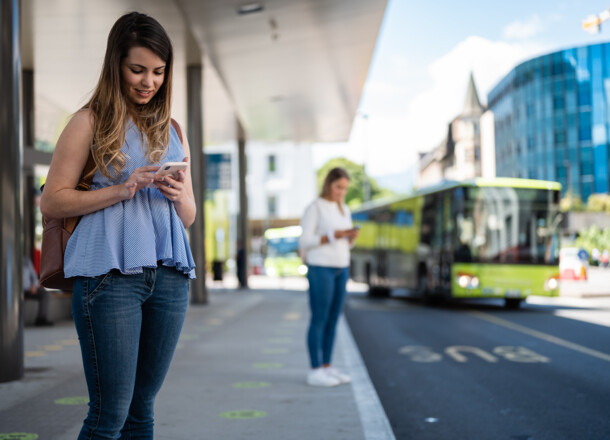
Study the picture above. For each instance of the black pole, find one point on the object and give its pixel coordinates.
(11, 244)
(194, 79)
(242, 228)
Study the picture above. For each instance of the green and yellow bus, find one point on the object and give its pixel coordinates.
(282, 255)
(482, 238)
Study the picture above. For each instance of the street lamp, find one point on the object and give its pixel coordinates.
(366, 187)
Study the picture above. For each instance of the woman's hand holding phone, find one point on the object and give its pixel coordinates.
(172, 185)
(350, 234)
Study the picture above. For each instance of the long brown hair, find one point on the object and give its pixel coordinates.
(108, 103)
(332, 176)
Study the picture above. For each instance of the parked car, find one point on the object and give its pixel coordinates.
(571, 264)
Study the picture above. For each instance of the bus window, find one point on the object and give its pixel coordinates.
(427, 221)
(509, 225)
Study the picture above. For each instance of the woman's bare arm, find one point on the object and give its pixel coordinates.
(60, 198)
(180, 190)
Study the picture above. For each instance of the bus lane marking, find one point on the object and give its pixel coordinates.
(541, 335)
(417, 353)
(420, 354)
(454, 352)
(520, 354)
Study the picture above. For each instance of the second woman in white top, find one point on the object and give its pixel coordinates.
(327, 237)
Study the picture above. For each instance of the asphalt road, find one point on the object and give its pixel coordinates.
(478, 371)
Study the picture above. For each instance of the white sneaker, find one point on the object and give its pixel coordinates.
(318, 378)
(341, 377)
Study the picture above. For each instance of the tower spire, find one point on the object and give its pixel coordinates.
(472, 104)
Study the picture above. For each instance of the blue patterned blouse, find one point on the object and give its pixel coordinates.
(135, 233)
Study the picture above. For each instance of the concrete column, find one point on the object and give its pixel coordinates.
(242, 227)
(194, 79)
(11, 245)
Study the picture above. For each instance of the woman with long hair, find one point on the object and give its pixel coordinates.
(326, 240)
(129, 255)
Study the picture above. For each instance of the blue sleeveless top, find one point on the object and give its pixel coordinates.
(135, 233)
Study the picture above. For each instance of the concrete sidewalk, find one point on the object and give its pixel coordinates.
(239, 373)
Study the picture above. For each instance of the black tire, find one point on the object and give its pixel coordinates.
(422, 288)
(379, 292)
(512, 303)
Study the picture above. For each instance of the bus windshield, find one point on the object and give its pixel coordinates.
(282, 247)
(506, 225)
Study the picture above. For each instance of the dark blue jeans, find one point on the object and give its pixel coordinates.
(327, 288)
(128, 327)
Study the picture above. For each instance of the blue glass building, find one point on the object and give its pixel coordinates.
(552, 119)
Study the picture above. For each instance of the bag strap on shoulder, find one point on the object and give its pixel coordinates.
(178, 129)
(85, 182)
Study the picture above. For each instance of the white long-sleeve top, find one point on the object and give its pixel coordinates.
(323, 218)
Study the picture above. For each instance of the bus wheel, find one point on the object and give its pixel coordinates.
(422, 288)
(512, 303)
(379, 291)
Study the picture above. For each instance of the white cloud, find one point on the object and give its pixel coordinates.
(431, 110)
(522, 30)
(406, 117)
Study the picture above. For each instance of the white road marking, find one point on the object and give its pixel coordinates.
(372, 416)
(541, 335)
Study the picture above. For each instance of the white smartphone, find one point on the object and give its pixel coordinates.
(169, 169)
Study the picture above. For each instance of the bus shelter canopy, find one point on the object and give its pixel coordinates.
(288, 70)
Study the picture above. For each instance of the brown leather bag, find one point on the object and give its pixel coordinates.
(57, 231)
(55, 235)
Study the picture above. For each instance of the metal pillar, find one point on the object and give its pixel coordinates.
(242, 228)
(11, 316)
(29, 179)
(194, 79)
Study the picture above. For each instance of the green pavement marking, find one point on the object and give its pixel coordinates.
(251, 385)
(18, 436)
(244, 414)
(188, 337)
(202, 328)
(67, 341)
(179, 346)
(268, 365)
(78, 400)
(34, 354)
(292, 316)
(214, 321)
(275, 350)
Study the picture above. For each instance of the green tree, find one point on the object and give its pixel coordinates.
(593, 237)
(354, 196)
(598, 203)
(569, 203)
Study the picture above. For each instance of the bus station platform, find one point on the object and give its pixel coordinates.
(238, 373)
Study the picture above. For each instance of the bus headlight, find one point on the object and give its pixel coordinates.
(466, 281)
(302, 270)
(551, 284)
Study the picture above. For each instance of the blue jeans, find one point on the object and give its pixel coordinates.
(128, 327)
(327, 288)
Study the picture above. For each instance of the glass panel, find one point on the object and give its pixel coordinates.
(283, 247)
(509, 225)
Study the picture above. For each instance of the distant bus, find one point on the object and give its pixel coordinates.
(282, 256)
(483, 238)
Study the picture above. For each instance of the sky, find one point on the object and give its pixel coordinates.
(422, 61)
